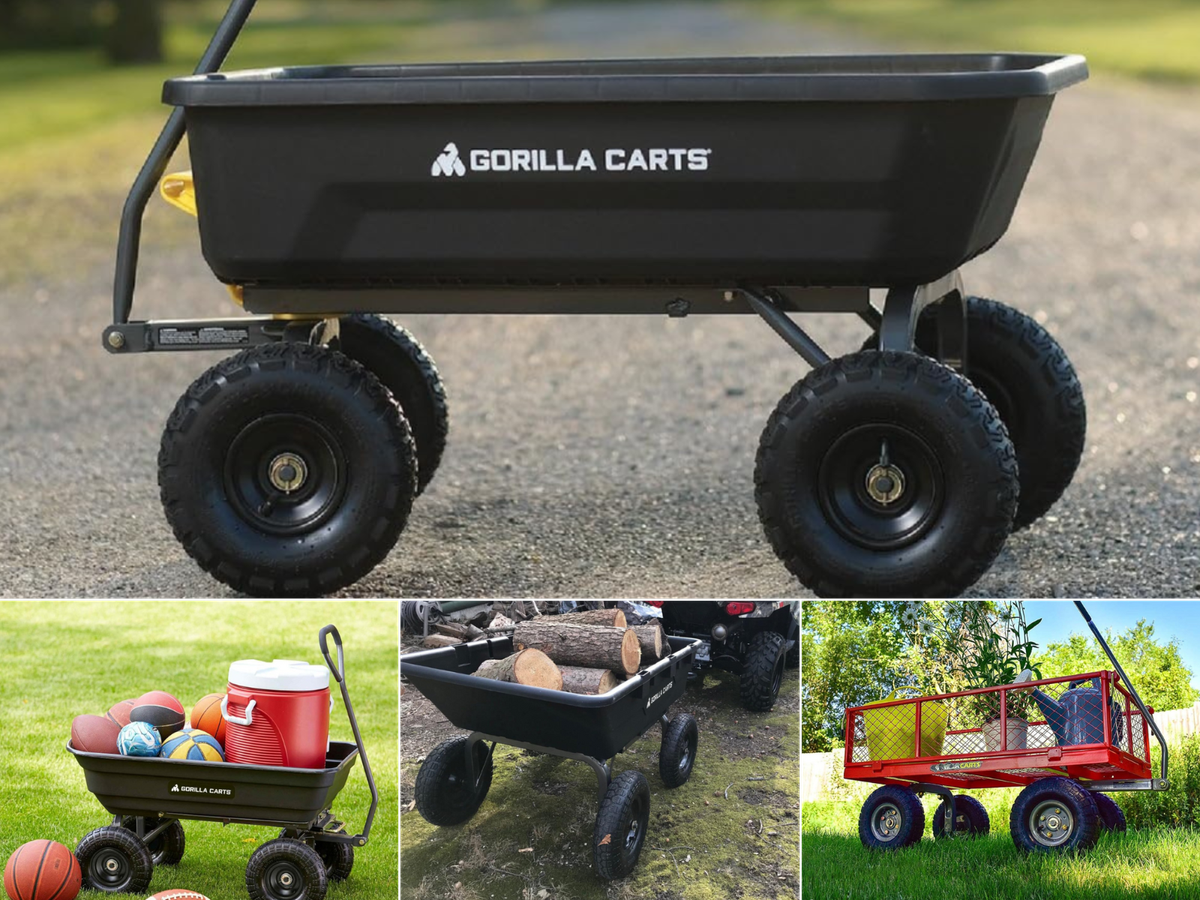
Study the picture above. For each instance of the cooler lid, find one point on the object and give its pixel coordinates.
(278, 675)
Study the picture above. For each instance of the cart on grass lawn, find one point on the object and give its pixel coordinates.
(1068, 741)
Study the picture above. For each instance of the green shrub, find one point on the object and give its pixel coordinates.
(1180, 805)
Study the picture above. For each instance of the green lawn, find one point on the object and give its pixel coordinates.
(70, 658)
(1156, 39)
(1153, 864)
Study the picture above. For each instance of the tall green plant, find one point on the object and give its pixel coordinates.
(998, 650)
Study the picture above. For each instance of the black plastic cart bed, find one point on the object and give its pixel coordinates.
(771, 186)
(455, 777)
(149, 797)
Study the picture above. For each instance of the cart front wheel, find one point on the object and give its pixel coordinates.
(886, 474)
(287, 470)
(1054, 815)
(891, 818)
(166, 849)
(970, 818)
(677, 756)
(338, 858)
(621, 825)
(398, 360)
(115, 861)
(762, 674)
(444, 793)
(286, 869)
(1112, 817)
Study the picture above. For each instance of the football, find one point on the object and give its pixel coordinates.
(177, 894)
(94, 734)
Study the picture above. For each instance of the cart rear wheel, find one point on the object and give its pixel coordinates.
(677, 756)
(398, 360)
(1112, 817)
(444, 794)
(1024, 372)
(287, 471)
(166, 849)
(286, 869)
(762, 673)
(115, 860)
(337, 857)
(891, 818)
(1054, 815)
(970, 818)
(621, 825)
(886, 474)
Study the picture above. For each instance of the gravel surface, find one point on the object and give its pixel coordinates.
(613, 456)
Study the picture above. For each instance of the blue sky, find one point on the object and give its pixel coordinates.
(1171, 618)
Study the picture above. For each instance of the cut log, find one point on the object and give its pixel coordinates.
(440, 640)
(501, 622)
(587, 646)
(651, 639)
(530, 667)
(614, 618)
(463, 632)
(578, 680)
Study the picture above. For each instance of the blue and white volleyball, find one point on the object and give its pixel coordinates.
(139, 739)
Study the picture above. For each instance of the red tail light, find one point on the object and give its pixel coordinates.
(657, 603)
(737, 609)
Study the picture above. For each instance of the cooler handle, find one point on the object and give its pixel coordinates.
(339, 675)
(233, 720)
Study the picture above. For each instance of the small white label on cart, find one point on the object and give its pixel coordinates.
(954, 766)
(658, 696)
(204, 790)
(455, 163)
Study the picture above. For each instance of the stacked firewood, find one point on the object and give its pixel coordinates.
(588, 652)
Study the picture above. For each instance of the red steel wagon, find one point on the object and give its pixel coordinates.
(1067, 741)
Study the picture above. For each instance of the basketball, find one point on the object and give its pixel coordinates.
(160, 709)
(206, 715)
(138, 739)
(119, 713)
(42, 870)
(94, 734)
(194, 744)
(159, 698)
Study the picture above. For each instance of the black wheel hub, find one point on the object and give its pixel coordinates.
(283, 879)
(285, 474)
(109, 870)
(634, 834)
(880, 486)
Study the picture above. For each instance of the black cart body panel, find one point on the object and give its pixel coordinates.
(598, 726)
(803, 171)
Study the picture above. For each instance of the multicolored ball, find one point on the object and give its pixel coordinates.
(138, 739)
(194, 744)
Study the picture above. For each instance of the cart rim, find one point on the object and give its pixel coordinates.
(852, 467)
(886, 822)
(1051, 823)
(633, 837)
(259, 458)
(109, 869)
(283, 879)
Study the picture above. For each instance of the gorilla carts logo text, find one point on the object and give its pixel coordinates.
(453, 163)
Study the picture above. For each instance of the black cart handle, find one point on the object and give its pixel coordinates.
(339, 675)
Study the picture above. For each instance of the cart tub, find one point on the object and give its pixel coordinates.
(830, 171)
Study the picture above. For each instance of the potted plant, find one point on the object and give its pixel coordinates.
(999, 649)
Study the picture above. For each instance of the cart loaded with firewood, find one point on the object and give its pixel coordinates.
(583, 686)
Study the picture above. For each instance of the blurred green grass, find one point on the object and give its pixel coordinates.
(1150, 39)
(70, 658)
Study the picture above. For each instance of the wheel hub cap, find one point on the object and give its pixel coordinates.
(288, 472)
(1051, 824)
(885, 484)
(111, 865)
(885, 824)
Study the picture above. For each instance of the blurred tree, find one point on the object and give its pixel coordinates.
(40, 24)
(135, 34)
(1158, 672)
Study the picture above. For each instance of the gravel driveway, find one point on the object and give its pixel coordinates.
(613, 456)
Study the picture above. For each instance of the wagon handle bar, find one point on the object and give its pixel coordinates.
(128, 244)
(1162, 741)
(339, 675)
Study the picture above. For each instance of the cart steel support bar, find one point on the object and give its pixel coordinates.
(139, 827)
(603, 770)
(1158, 784)
(226, 335)
(796, 337)
(904, 304)
(922, 787)
(156, 164)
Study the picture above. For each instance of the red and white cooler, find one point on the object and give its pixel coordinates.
(277, 713)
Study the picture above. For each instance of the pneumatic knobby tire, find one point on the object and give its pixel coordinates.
(287, 411)
(114, 860)
(286, 869)
(398, 360)
(621, 825)
(338, 858)
(891, 818)
(762, 672)
(443, 795)
(970, 818)
(677, 755)
(1054, 815)
(938, 519)
(1112, 817)
(167, 849)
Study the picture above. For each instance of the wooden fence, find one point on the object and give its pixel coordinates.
(818, 770)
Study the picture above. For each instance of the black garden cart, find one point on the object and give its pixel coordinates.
(771, 186)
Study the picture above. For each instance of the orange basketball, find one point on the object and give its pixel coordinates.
(42, 870)
(206, 715)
